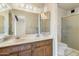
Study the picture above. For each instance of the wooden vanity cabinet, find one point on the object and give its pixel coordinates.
(40, 48)
(42, 51)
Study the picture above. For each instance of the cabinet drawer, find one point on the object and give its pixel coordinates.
(13, 54)
(15, 48)
(20, 47)
(4, 54)
(42, 43)
(25, 53)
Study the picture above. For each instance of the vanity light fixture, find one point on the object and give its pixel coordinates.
(37, 9)
(28, 6)
(22, 5)
(4, 5)
(15, 5)
(34, 8)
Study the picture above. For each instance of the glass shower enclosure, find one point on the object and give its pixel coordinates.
(70, 31)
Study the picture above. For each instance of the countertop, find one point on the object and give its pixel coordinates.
(23, 40)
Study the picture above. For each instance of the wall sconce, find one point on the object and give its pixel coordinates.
(3, 6)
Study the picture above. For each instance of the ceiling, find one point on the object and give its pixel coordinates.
(68, 6)
(39, 5)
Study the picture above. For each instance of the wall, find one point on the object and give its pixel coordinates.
(76, 11)
(61, 13)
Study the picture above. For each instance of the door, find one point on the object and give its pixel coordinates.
(70, 31)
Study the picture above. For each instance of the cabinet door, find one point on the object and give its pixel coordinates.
(25, 53)
(43, 51)
(48, 50)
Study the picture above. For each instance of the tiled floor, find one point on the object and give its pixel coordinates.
(65, 50)
(71, 52)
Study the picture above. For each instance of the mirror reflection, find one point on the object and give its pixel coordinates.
(45, 22)
(26, 22)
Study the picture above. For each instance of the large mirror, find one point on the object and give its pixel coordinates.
(26, 22)
(6, 25)
(4, 22)
(45, 22)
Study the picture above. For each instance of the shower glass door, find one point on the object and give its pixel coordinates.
(70, 31)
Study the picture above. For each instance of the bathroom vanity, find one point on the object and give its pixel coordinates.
(26, 47)
(35, 26)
